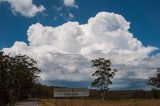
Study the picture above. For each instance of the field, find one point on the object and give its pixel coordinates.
(85, 102)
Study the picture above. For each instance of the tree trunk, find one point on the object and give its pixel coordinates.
(102, 95)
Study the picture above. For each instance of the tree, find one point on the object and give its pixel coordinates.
(17, 75)
(103, 75)
(24, 73)
(5, 97)
(155, 80)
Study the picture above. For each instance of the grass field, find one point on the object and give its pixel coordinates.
(78, 102)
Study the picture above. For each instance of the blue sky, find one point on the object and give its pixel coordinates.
(142, 14)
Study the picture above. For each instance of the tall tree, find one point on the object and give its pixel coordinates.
(17, 75)
(5, 90)
(24, 73)
(155, 80)
(103, 75)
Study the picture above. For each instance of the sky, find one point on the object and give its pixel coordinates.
(63, 36)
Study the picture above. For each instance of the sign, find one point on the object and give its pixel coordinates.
(71, 92)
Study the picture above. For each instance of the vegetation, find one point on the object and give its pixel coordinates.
(126, 94)
(46, 92)
(17, 75)
(91, 102)
(46, 102)
(42, 91)
(155, 80)
(103, 74)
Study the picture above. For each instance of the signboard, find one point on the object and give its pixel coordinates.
(71, 92)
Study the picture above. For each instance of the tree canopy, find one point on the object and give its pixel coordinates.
(155, 80)
(17, 75)
(103, 74)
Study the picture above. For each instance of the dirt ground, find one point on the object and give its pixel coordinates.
(86, 102)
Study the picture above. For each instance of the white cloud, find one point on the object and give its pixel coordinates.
(70, 3)
(71, 15)
(63, 13)
(24, 7)
(64, 52)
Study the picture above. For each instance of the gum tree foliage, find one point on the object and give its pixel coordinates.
(103, 74)
(5, 92)
(155, 80)
(17, 75)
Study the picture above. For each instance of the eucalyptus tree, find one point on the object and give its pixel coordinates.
(5, 76)
(155, 80)
(103, 75)
(17, 75)
(24, 73)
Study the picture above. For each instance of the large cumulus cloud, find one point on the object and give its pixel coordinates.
(64, 52)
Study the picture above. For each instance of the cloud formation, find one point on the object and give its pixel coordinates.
(64, 52)
(64, 13)
(24, 7)
(70, 3)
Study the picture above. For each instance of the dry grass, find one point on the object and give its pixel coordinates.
(78, 102)
(46, 102)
